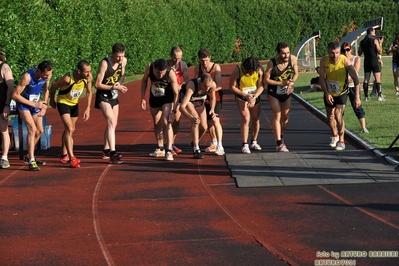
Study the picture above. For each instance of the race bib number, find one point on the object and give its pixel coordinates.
(333, 86)
(281, 90)
(115, 94)
(157, 92)
(34, 98)
(75, 94)
(249, 90)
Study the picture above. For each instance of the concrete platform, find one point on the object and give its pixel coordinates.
(267, 169)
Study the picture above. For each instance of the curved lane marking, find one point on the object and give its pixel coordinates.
(96, 222)
(276, 252)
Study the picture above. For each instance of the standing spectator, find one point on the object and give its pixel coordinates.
(163, 101)
(370, 46)
(280, 76)
(6, 90)
(215, 128)
(334, 69)
(314, 83)
(31, 108)
(181, 70)
(71, 87)
(193, 107)
(110, 76)
(246, 83)
(394, 50)
(346, 49)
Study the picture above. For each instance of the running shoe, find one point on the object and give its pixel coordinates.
(106, 155)
(365, 131)
(255, 146)
(340, 146)
(33, 166)
(245, 149)
(396, 93)
(219, 150)
(169, 156)
(198, 155)
(373, 93)
(65, 158)
(4, 163)
(333, 142)
(38, 162)
(158, 153)
(211, 148)
(74, 163)
(176, 149)
(174, 153)
(282, 148)
(366, 99)
(381, 98)
(116, 159)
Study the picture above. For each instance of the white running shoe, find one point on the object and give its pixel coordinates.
(158, 153)
(219, 150)
(245, 149)
(169, 156)
(255, 146)
(340, 146)
(333, 142)
(282, 148)
(365, 131)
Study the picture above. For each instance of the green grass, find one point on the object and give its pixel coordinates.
(381, 117)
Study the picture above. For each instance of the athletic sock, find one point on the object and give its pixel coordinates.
(379, 89)
(366, 89)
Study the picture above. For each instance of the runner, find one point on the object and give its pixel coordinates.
(214, 126)
(193, 107)
(31, 108)
(163, 103)
(334, 69)
(180, 67)
(71, 87)
(246, 83)
(110, 76)
(280, 76)
(6, 90)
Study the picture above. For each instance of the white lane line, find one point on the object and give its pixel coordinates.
(375, 216)
(96, 222)
(269, 247)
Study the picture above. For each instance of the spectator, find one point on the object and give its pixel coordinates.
(370, 46)
(314, 84)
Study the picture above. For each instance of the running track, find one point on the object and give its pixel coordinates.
(186, 212)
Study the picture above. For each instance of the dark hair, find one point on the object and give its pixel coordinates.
(344, 46)
(332, 45)
(370, 30)
(250, 64)
(205, 77)
(203, 53)
(281, 45)
(82, 64)
(45, 65)
(2, 56)
(118, 47)
(175, 49)
(160, 64)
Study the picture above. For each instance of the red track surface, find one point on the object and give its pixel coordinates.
(186, 212)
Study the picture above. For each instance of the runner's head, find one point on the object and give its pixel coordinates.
(118, 52)
(160, 68)
(176, 54)
(204, 57)
(283, 51)
(333, 52)
(44, 69)
(250, 65)
(84, 69)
